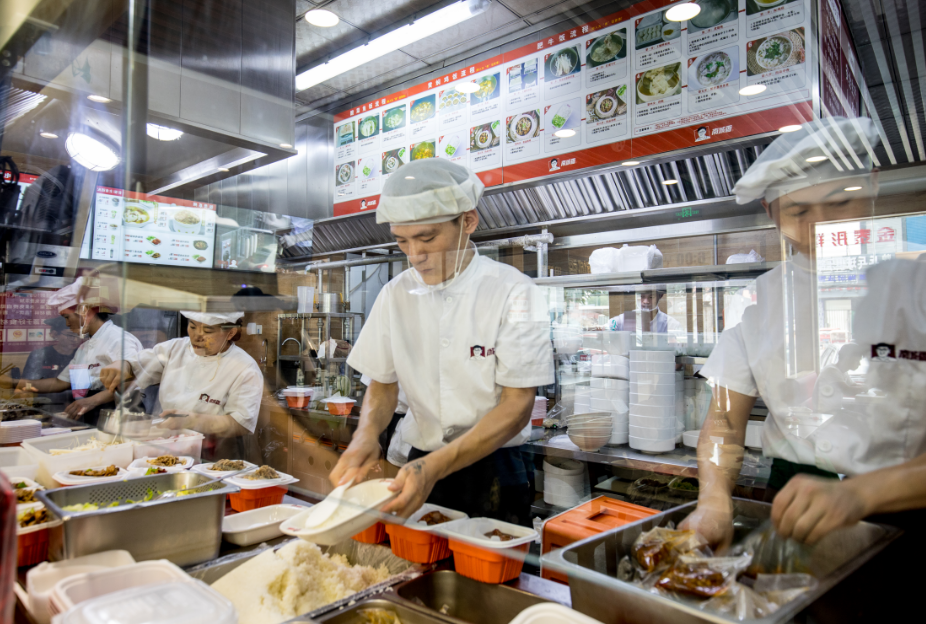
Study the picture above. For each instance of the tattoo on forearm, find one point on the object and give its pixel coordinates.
(417, 467)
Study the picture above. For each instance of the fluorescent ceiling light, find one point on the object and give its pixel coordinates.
(789, 129)
(90, 153)
(223, 169)
(670, 181)
(99, 99)
(322, 18)
(816, 159)
(467, 87)
(853, 188)
(683, 12)
(630, 163)
(48, 135)
(409, 177)
(565, 133)
(426, 26)
(753, 89)
(163, 133)
(286, 145)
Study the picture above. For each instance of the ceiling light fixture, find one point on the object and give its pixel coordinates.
(565, 133)
(409, 177)
(286, 146)
(789, 129)
(163, 133)
(630, 163)
(467, 87)
(853, 188)
(322, 18)
(816, 159)
(48, 135)
(223, 169)
(683, 12)
(90, 153)
(430, 24)
(755, 89)
(99, 99)
(670, 181)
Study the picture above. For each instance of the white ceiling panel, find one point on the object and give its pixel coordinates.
(435, 46)
(381, 79)
(528, 7)
(313, 43)
(559, 7)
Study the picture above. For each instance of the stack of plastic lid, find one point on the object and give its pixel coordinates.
(564, 482)
(653, 423)
(15, 431)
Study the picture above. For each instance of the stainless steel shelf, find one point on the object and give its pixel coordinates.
(319, 315)
(688, 359)
(720, 272)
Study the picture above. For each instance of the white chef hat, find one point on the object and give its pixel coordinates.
(433, 190)
(214, 318)
(67, 297)
(783, 168)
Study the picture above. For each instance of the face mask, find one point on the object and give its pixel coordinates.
(457, 266)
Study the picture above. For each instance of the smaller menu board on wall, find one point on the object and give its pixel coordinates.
(22, 320)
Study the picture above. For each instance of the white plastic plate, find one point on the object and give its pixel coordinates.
(413, 520)
(215, 474)
(65, 478)
(552, 613)
(473, 530)
(145, 462)
(251, 484)
(358, 512)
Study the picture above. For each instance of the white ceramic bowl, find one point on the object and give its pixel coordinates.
(611, 394)
(652, 411)
(653, 367)
(658, 423)
(646, 387)
(562, 466)
(653, 356)
(600, 424)
(590, 442)
(651, 433)
(653, 399)
(664, 378)
(610, 405)
(690, 438)
(611, 384)
(652, 446)
(591, 431)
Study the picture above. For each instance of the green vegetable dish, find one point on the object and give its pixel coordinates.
(394, 119)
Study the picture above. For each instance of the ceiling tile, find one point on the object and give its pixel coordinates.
(313, 43)
(496, 21)
(370, 72)
(553, 11)
(372, 16)
(381, 79)
(528, 7)
(317, 92)
(302, 6)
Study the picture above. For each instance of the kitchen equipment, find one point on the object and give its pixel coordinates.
(124, 420)
(165, 525)
(257, 525)
(461, 599)
(330, 303)
(595, 589)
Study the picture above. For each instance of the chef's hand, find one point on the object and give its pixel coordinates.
(176, 420)
(362, 456)
(712, 520)
(24, 389)
(414, 482)
(808, 508)
(81, 406)
(114, 374)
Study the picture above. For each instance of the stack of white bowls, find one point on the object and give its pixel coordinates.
(610, 388)
(15, 431)
(564, 482)
(679, 405)
(653, 423)
(590, 431)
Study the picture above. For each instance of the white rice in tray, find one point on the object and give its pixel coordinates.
(278, 585)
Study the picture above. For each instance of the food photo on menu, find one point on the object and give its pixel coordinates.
(452, 100)
(345, 133)
(344, 173)
(656, 28)
(714, 69)
(393, 159)
(423, 149)
(607, 48)
(422, 109)
(713, 13)
(489, 89)
(607, 104)
(394, 118)
(522, 76)
(659, 82)
(757, 6)
(369, 127)
(484, 136)
(562, 63)
(778, 51)
(524, 126)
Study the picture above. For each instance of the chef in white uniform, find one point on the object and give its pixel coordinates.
(208, 384)
(773, 353)
(649, 318)
(86, 306)
(468, 340)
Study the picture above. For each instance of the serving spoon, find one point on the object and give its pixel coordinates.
(324, 510)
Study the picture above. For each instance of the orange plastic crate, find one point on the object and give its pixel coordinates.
(594, 517)
(246, 500)
(417, 546)
(487, 565)
(376, 534)
(32, 548)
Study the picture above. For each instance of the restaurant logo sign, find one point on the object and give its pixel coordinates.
(208, 399)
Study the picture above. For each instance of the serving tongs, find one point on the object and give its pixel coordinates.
(169, 494)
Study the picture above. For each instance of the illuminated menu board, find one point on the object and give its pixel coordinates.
(627, 86)
(134, 227)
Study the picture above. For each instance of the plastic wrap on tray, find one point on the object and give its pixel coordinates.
(702, 577)
(658, 548)
(774, 554)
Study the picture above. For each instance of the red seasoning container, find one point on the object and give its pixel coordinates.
(7, 548)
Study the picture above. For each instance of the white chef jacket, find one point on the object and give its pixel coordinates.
(662, 324)
(750, 358)
(230, 383)
(453, 350)
(103, 348)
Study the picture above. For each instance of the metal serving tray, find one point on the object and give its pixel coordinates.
(460, 599)
(355, 552)
(407, 614)
(592, 568)
(184, 530)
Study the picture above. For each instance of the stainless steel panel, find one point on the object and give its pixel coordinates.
(592, 568)
(209, 84)
(297, 170)
(319, 168)
(267, 70)
(279, 187)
